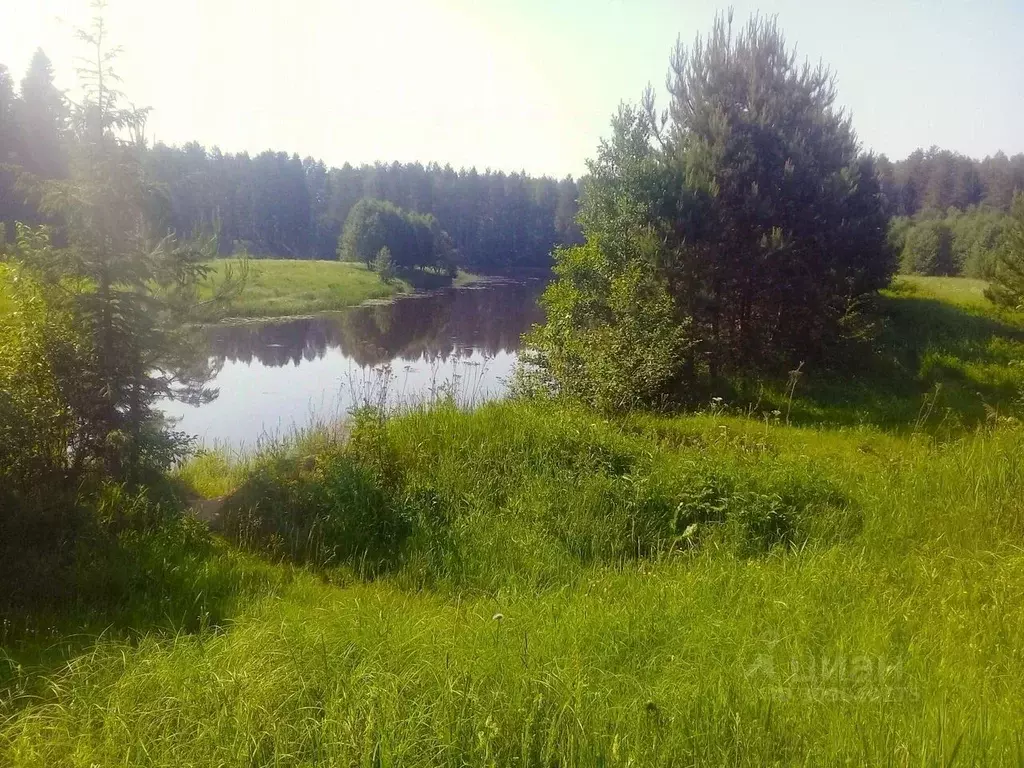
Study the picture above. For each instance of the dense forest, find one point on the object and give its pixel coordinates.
(949, 211)
(938, 180)
(278, 205)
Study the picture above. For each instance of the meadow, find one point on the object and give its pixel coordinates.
(285, 287)
(821, 571)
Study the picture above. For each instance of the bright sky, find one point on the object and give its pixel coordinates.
(516, 84)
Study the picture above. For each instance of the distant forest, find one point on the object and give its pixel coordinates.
(949, 212)
(948, 207)
(278, 205)
(938, 180)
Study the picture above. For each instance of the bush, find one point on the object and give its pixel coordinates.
(35, 420)
(111, 556)
(384, 266)
(1008, 275)
(341, 506)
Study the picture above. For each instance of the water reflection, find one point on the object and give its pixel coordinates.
(434, 327)
(277, 377)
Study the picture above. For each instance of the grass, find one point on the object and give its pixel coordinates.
(941, 354)
(283, 287)
(959, 291)
(533, 584)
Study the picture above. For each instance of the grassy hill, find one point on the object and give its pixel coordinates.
(825, 575)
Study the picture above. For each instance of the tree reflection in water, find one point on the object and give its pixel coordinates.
(274, 378)
(428, 328)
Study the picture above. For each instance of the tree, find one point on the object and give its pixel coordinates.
(43, 119)
(8, 112)
(928, 249)
(737, 230)
(384, 266)
(370, 226)
(412, 240)
(10, 204)
(130, 292)
(1007, 289)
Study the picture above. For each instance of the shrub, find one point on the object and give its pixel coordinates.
(341, 506)
(384, 266)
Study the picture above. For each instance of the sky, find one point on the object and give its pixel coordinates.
(516, 84)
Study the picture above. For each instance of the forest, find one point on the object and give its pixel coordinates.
(751, 497)
(278, 205)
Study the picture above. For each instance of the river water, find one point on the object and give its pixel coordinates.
(275, 378)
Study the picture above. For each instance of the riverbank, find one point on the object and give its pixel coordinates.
(289, 287)
(531, 583)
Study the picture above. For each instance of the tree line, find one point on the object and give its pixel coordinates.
(950, 212)
(948, 209)
(938, 179)
(275, 204)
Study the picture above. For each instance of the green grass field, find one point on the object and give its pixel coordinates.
(283, 287)
(533, 584)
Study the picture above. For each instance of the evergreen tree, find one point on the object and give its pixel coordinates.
(43, 117)
(11, 207)
(1007, 289)
(737, 230)
(8, 112)
(134, 294)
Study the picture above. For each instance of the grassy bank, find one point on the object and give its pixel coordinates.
(533, 584)
(281, 287)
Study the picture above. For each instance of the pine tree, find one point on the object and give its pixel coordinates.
(43, 117)
(736, 231)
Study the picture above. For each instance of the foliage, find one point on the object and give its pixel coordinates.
(737, 231)
(38, 351)
(533, 582)
(413, 241)
(129, 294)
(43, 118)
(938, 180)
(563, 608)
(1008, 278)
(928, 250)
(955, 243)
(384, 265)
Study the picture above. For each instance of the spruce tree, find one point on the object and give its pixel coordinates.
(136, 291)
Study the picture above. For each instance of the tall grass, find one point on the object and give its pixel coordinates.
(527, 583)
(545, 605)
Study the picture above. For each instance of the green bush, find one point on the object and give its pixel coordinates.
(35, 419)
(384, 265)
(341, 506)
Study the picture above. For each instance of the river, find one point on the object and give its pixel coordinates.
(278, 377)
